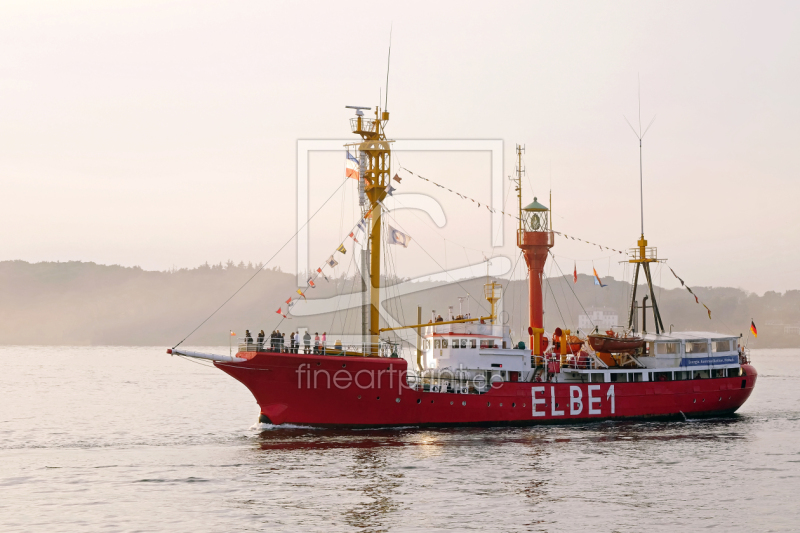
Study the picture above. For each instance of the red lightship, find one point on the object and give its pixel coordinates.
(467, 371)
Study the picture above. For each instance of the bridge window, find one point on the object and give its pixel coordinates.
(679, 376)
(636, 376)
(473, 343)
(463, 343)
(437, 343)
(619, 377)
(426, 345)
(662, 376)
(444, 343)
(597, 377)
(667, 348)
(487, 343)
(722, 346)
(696, 347)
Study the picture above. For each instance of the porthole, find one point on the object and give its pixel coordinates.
(419, 400)
(720, 398)
(359, 396)
(523, 405)
(488, 404)
(431, 401)
(704, 400)
(344, 365)
(513, 404)
(501, 405)
(463, 403)
(729, 397)
(556, 406)
(451, 403)
(397, 400)
(318, 363)
(378, 398)
(695, 400)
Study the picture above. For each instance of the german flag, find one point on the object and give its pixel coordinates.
(753, 329)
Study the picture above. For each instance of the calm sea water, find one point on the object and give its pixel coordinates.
(130, 439)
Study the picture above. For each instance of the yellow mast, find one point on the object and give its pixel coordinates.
(377, 175)
(520, 149)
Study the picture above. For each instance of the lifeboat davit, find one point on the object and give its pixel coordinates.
(612, 344)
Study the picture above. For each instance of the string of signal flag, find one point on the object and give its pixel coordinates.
(359, 230)
(398, 237)
(515, 217)
(602, 247)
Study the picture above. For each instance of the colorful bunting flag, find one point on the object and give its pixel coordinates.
(332, 262)
(352, 166)
(319, 270)
(311, 283)
(341, 249)
(398, 237)
(597, 278)
(352, 236)
(301, 294)
(397, 178)
(575, 274)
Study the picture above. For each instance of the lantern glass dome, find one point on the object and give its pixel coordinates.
(535, 216)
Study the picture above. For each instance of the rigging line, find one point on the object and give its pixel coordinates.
(513, 269)
(530, 183)
(444, 270)
(435, 230)
(463, 197)
(336, 311)
(191, 360)
(265, 264)
(573, 291)
(357, 277)
(561, 283)
(555, 300)
(585, 260)
(396, 290)
(400, 312)
(505, 203)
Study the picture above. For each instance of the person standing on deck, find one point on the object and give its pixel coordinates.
(260, 345)
(316, 342)
(323, 340)
(307, 342)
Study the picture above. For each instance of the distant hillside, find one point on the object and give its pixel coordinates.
(76, 303)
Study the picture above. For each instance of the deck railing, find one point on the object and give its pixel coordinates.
(335, 347)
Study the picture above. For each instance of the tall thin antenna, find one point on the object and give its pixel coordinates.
(388, 60)
(640, 135)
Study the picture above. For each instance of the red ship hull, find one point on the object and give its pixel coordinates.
(326, 391)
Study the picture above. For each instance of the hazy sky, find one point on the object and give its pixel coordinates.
(164, 133)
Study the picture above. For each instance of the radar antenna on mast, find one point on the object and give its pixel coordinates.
(359, 109)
